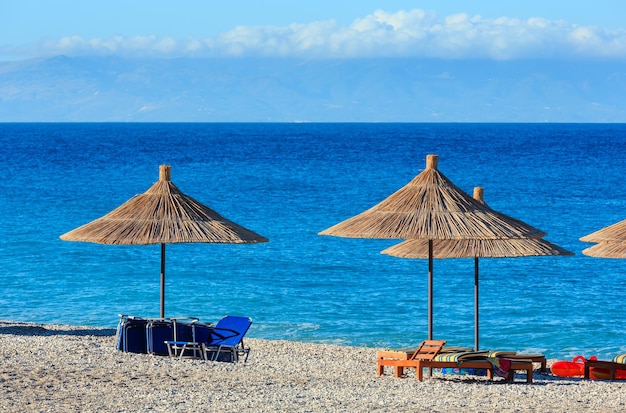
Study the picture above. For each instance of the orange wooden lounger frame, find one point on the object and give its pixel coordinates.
(403, 359)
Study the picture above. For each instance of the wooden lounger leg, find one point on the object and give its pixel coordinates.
(398, 370)
(419, 372)
(527, 368)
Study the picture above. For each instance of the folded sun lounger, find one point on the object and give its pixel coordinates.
(131, 334)
(186, 338)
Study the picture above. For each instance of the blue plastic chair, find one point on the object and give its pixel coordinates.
(226, 340)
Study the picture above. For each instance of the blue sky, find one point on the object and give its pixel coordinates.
(360, 28)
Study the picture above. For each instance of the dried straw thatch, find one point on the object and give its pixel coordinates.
(431, 207)
(524, 247)
(607, 250)
(162, 215)
(472, 248)
(611, 239)
(612, 233)
(483, 248)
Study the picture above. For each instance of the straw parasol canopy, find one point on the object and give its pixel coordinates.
(430, 207)
(607, 250)
(484, 248)
(524, 247)
(475, 248)
(163, 215)
(611, 241)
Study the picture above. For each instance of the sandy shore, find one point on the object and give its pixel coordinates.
(51, 368)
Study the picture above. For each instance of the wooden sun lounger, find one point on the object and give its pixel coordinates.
(611, 366)
(427, 350)
(402, 359)
(523, 365)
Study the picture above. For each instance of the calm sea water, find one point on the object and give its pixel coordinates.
(290, 181)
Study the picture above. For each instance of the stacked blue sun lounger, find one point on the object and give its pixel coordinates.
(148, 335)
(185, 337)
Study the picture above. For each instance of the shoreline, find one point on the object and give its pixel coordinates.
(57, 368)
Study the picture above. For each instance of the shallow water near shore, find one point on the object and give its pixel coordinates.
(290, 181)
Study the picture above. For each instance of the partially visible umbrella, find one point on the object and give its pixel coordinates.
(162, 215)
(611, 241)
(430, 207)
(607, 250)
(477, 248)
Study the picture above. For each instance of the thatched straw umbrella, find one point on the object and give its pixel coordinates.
(477, 248)
(162, 215)
(430, 207)
(607, 250)
(611, 241)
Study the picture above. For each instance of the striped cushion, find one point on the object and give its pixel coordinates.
(462, 355)
(501, 354)
(455, 349)
(620, 359)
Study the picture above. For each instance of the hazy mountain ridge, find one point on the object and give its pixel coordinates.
(334, 90)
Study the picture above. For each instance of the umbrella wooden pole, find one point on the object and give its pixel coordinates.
(430, 289)
(479, 193)
(476, 327)
(162, 281)
(165, 173)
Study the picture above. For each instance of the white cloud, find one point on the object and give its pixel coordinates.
(413, 33)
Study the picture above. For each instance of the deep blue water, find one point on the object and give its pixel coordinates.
(290, 181)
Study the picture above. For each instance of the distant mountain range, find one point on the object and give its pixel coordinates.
(95, 89)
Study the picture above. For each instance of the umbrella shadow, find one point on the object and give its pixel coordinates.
(19, 329)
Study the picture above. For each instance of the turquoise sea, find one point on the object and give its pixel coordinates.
(290, 181)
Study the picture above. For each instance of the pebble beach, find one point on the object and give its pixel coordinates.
(58, 368)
